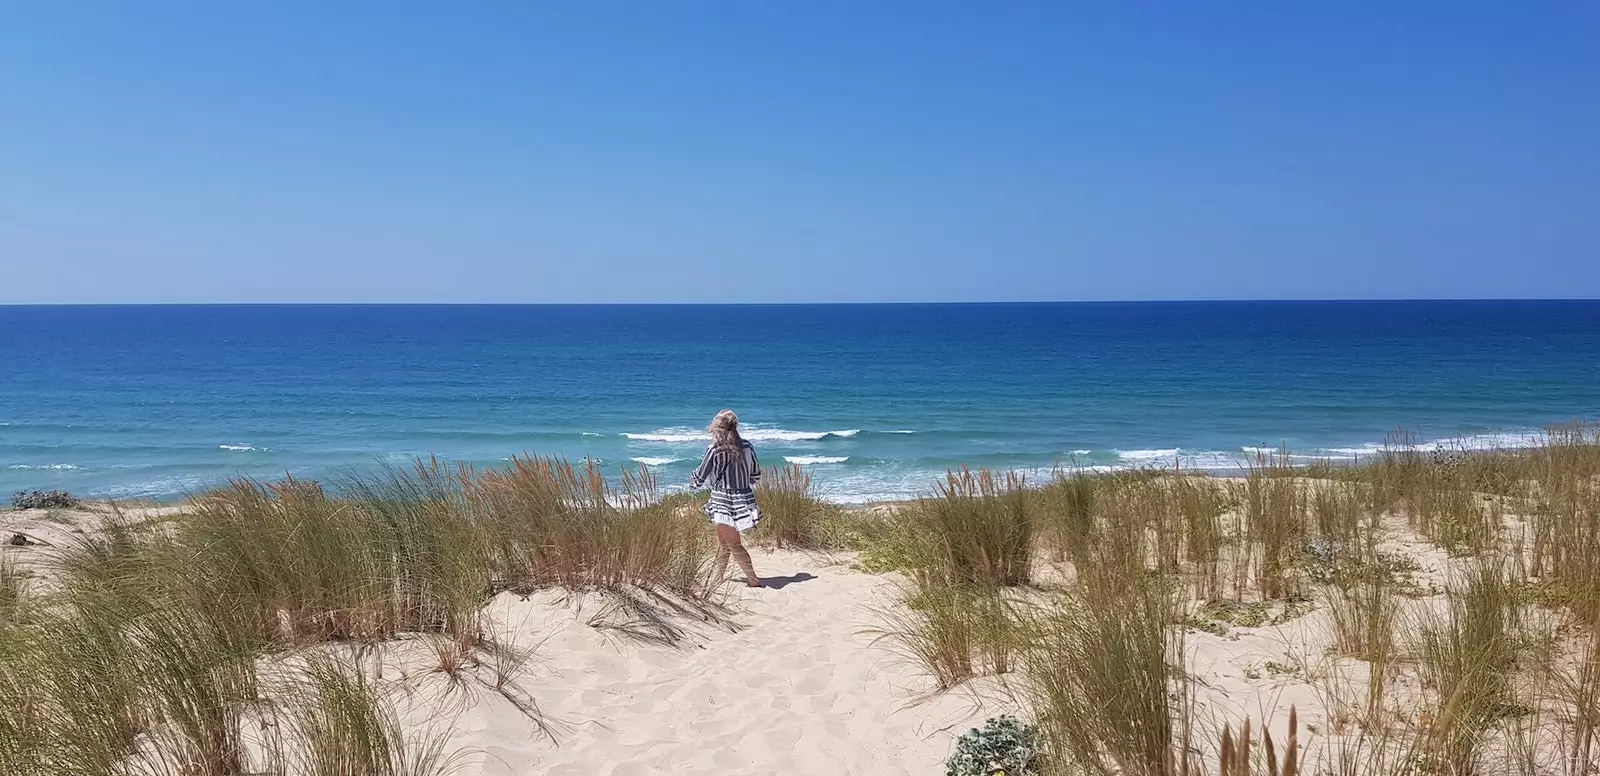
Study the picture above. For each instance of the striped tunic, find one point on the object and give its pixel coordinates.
(732, 476)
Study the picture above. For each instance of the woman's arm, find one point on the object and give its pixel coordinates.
(755, 464)
(707, 468)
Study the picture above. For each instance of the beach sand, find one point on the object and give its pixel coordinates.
(795, 680)
(802, 687)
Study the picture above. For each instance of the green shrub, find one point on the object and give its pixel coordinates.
(1005, 745)
(44, 499)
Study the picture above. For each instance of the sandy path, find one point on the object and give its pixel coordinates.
(798, 690)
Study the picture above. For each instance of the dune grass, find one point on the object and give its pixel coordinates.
(976, 529)
(791, 514)
(148, 655)
(954, 632)
(1064, 509)
(1202, 504)
(342, 725)
(1099, 657)
(1468, 658)
(1099, 678)
(149, 650)
(1364, 613)
(1277, 510)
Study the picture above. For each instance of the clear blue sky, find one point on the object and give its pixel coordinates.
(800, 151)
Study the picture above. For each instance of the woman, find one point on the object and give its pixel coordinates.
(731, 470)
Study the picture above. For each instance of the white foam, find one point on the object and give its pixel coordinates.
(1210, 459)
(684, 435)
(1509, 440)
(648, 461)
(243, 448)
(1501, 441)
(59, 467)
(1082, 452)
(901, 431)
(807, 460)
(589, 433)
(1147, 455)
(164, 486)
(668, 436)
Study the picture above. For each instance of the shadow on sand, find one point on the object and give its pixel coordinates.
(779, 583)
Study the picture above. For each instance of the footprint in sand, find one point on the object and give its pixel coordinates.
(781, 738)
(812, 683)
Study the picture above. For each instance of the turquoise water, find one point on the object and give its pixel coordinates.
(876, 400)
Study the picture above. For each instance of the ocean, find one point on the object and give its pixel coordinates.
(876, 401)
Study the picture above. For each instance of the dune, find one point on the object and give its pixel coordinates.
(794, 684)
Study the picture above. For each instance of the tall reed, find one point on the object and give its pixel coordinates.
(549, 523)
(1276, 516)
(1063, 508)
(340, 724)
(1341, 511)
(791, 513)
(1468, 658)
(975, 529)
(1098, 675)
(1364, 612)
(954, 632)
(295, 565)
(1565, 552)
(1201, 505)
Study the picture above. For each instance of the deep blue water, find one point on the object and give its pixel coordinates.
(875, 399)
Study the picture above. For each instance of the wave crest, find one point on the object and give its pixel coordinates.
(649, 461)
(685, 435)
(1147, 455)
(807, 460)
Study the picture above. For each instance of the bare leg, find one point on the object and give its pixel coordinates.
(721, 574)
(730, 544)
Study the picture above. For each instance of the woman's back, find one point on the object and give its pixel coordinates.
(728, 467)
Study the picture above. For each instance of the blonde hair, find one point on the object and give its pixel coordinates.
(725, 430)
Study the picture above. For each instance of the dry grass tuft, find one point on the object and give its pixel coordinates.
(1468, 659)
(148, 656)
(791, 513)
(954, 633)
(1277, 509)
(975, 530)
(1100, 676)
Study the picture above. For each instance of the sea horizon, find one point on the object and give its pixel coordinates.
(875, 400)
(840, 303)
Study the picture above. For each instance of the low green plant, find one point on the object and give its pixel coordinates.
(1004, 745)
(44, 499)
